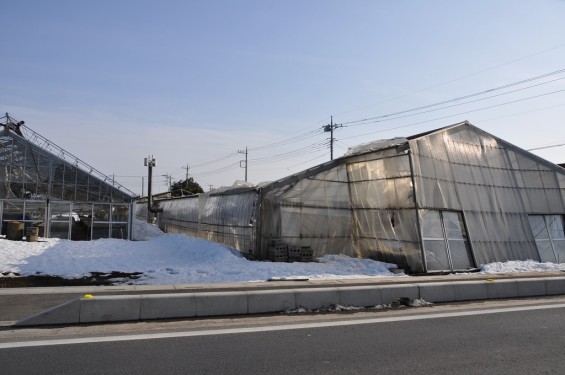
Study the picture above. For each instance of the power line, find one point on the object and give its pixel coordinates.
(522, 113)
(459, 114)
(544, 147)
(455, 105)
(456, 79)
(287, 141)
(369, 119)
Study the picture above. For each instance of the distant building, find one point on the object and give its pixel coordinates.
(447, 200)
(43, 185)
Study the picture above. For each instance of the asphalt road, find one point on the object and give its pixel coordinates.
(453, 339)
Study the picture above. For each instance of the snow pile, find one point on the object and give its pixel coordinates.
(169, 259)
(143, 231)
(177, 259)
(515, 266)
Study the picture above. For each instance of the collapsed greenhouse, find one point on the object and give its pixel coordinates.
(44, 186)
(447, 200)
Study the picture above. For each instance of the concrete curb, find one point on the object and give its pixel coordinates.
(114, 308)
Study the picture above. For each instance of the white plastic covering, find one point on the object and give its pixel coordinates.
(447, 200)
(225, 216)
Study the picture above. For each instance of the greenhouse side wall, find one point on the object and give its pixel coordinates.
(384, 210)
(226, 217)
(361, 206)
(310, 211)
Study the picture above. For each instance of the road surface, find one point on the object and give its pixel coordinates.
(497, 337)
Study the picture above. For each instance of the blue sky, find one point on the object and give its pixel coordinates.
(193, 82)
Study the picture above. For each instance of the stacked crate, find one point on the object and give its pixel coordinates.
(294, 254)
(306, 254)
(278, 251)
(282, 252)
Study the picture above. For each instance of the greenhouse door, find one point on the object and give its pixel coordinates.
(549, 233)
(446, 245)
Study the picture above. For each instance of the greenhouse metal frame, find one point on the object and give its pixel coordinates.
(43, 185)
(446, 200)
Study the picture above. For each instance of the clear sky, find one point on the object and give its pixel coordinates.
(193, 82)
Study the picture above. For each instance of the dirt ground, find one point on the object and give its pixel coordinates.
(95, 278)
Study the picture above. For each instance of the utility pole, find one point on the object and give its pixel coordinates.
(241, 161)
(168, 178)
(330, 128)
(186, 181)
(150, 163)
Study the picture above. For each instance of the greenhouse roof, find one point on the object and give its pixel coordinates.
(40, 167)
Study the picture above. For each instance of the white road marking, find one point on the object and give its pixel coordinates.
(282, 327)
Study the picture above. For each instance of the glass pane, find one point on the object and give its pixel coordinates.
(59, 229)
(120, 231)
(560, 250)
(555, 226)
(436, 255)
(545, 250)
(101, 212)
(460, 257)
(100, 230)
(120, 213)
(35, 211)
(60, 211)
(454, 225)
(538, 227)
(431, 224)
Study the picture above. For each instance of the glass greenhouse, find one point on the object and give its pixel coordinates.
(43, 185)
(446, 200)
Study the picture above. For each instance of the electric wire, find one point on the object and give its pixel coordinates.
(544, 147)
(522, 113)
(458, 114)
(319, 146)
(463, 103)
(369, 119)
(456, 79)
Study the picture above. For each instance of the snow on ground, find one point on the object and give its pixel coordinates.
(514, 266)
(172, 258)
(168, 258)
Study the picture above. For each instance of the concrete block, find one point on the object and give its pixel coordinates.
(390, 293)
(169, 305)
(317, 298)
(363, 296)
(109, 308)
(499, 288)
(66, 313)
(221, 303)
(437, 292)
(265, 301)
(555, 285)
(531, 287)
(470, 290)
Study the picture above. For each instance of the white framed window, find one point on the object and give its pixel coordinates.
(445, 240)
(549, 234)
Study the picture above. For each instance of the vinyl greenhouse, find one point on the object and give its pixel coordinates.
(42, 185)
(447, 200)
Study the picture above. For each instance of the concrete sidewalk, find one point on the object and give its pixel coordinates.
(67, 305)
